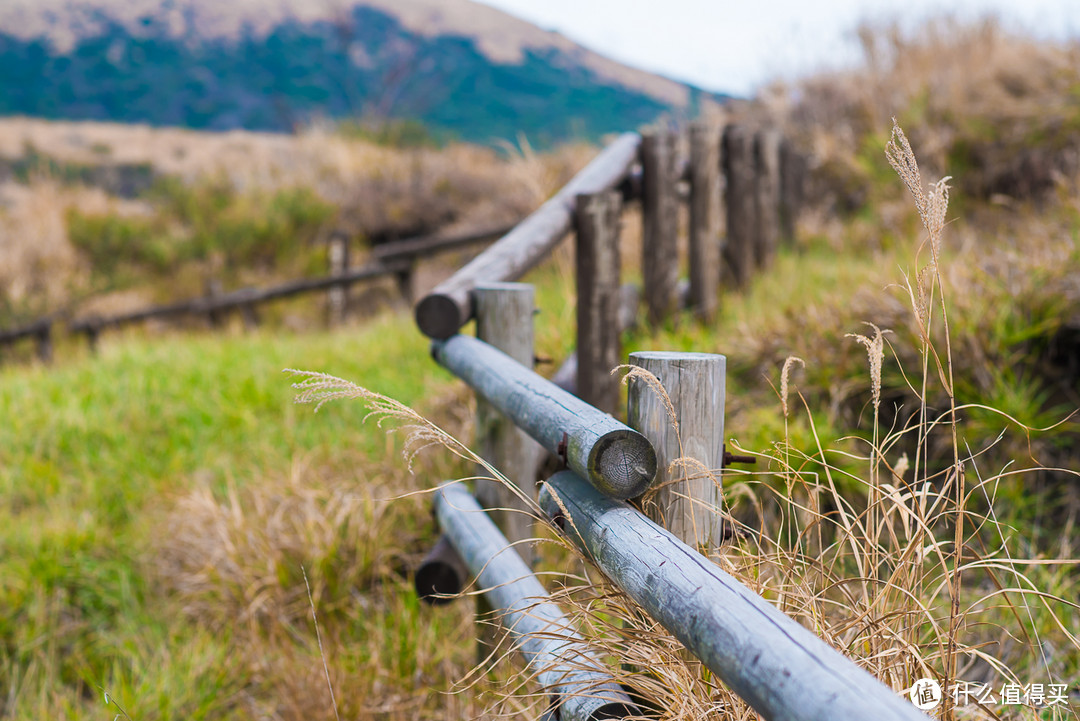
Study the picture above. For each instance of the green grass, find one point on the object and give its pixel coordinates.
(95, 456)
(161, 497)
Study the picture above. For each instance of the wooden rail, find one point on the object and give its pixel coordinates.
(449, 306)
(614, 457)
(780, 668)
(565, 666)
(398, 259)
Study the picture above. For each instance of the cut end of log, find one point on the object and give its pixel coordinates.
(622, 464)
(439, 316)
(437, 583)
(441, 575)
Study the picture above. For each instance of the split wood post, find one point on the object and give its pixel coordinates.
(687, 499)
(211, 290)
(596, 218)
(406, 281)
(792, 175)
(704, 219)
(504, 319)
(44, 342)
(660, 224)
(738, 160)
(337, 297)
(767, 195)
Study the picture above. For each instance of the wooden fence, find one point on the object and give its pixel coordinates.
(398, 259)
(780, 668)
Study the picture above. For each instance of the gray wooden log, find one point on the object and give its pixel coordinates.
(449, 306)
(337, 297)
(704, 240)
(614, 457)
(660, 224)
(629, 300)
(599, 346)
(504, 320)
(777, 666)
(686, 499)
(738, 163)
(792, 181)
(441, 575)
(767, 195)
(565, 666)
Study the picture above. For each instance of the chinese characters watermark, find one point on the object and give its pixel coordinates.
(926, 694)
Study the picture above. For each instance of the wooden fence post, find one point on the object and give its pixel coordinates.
(792, 177)
(687, 498)
(704, 219)
(504, 319)
(337, 297)
(44, 342)
(406, 282)
(596, 218)
(660, 219)
(738, 160)
(767, 195)
(211, 290)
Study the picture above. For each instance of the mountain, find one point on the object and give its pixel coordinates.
(461, 68)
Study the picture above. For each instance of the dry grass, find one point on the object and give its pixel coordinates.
(378, 192)
(904, 566)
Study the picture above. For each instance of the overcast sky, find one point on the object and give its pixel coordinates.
(735, 46)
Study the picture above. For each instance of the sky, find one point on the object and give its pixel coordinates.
(736, 46)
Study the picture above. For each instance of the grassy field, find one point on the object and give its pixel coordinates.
(171, 520)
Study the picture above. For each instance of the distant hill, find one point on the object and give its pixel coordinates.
(463, 69)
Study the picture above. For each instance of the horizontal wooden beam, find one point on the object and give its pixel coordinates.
(777, 666)
(565, 665)
(239, 298)
(30, 330)
(412, 248)
(614, 457)
(449, 306)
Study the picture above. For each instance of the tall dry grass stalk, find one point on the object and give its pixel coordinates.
(915, 577)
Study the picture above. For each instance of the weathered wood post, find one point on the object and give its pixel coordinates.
(406, 281)
(767, 195)
(211, 291)
(43, 336)
(738, 162)
(704, 219)
(687, 498)
(504, 320)
(596, 219)
(337, 297)
(792, 178)
(660, 224)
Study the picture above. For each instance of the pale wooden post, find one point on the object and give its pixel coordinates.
(738, 161)
(704, 219)
(687, 499)
(44, 342)
(660, 224)
(792, 174)
(504, 319)
(337, 297)
(211, 290)
(596, 218)
(767, 195)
